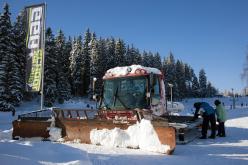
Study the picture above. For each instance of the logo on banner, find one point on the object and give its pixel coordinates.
(34, 44)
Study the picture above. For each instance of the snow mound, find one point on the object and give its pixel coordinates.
(54, 132)
(6, 135)
(141, 135)
(122, 71)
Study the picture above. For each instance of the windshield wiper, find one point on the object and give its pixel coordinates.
(117, 97)
(104, 102)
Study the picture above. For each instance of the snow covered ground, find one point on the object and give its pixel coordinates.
(230, 150)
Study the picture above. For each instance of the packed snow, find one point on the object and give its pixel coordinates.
(229, 150)
(122, 71)
(140, 135)
(54, 132)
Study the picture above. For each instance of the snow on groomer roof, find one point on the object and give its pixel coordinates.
(133, 70)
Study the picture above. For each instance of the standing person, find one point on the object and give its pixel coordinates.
(221, 118)
(208, 114)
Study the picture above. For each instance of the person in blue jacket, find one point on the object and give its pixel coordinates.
(208, 114)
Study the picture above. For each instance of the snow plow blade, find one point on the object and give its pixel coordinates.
(33, 124)
(75, 128)
(80, 129)
(30, 128)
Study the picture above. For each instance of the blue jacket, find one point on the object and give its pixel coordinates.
(208, 110)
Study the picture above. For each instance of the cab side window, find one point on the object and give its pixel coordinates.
(155, 92)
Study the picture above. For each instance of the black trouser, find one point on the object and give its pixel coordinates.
(205, 124)
(221, 129)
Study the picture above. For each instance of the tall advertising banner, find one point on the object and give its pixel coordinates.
(35, 44)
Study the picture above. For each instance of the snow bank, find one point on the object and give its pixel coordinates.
(238, 123)
(6, 135)
(141, 135)
(122, 71)
(54, 132)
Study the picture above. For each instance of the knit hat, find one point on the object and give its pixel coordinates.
(217, 102)
(197, 105)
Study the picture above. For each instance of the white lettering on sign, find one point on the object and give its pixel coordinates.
(35, 28)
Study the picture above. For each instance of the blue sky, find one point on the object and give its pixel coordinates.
(210, 34)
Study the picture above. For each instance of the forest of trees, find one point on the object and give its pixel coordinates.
(72, 62)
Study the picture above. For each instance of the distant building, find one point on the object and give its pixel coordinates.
(245, 91)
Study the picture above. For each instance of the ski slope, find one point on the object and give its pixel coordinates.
(230, 150)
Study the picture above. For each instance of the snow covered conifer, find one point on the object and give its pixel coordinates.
(120, 51)
(68, 48)
(203, 83)
(145, 59)
(110, 53)
(195, 86)
(9, 81)
(86, 61)
(188, 80)
(150, 60)
(133, 56)
(157, 61)
(63, 86)
(20, 49)
(77, 67)
(137, 59)
(169, 71)
(211, 91)
(180, 88)
(50, 74)
(93, 62)
(102, 60)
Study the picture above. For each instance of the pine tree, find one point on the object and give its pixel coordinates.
(145, 59)
(63, 86)
(129, 56)
(20, 49)
(9, 93)
(102, 60)
(137, 57)
(133, 56)
(203, 83)
(188, 80)
(120, 51)
(98, 62)
(211, 91)
(68, 49)
(157, 61)
(77, 67)
(94, 62)
(86, 61)
(150, 59)
(169, 72)
(180, 88)
(195, 86)
(50, 69)
(110, 53)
